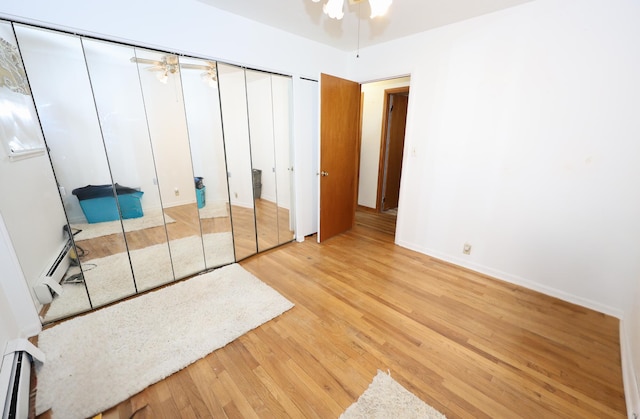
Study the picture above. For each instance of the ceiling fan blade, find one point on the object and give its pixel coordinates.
(145, 61)
(156, 68)
(194, 66)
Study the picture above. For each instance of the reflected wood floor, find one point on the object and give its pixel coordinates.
(469, 345)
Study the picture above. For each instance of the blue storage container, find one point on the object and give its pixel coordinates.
(201, 196)
(98, 203)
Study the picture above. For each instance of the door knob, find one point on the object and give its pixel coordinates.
(323, 173)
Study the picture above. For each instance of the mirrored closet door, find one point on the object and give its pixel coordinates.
(165, 165)
(62, 92)
(121, 110)
(204, 122)
(233, 101)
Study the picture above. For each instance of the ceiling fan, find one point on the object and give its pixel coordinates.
(169, 64)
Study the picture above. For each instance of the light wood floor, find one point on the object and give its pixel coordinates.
(466, 344)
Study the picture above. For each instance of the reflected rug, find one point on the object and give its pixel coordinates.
(386, 398)
(97, 360)
(109, 278)
(214, 210)
(91, 231)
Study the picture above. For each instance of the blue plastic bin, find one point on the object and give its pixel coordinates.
(98, 203)
(201, 197)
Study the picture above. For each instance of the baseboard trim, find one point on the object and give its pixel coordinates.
(629, 379)
(367, 209)
(514, 279)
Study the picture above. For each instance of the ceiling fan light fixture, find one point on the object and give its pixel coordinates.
(163, 76)
(379, 7)
(334, 9)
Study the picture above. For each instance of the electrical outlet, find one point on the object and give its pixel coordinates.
(466, 249)
(176, 191)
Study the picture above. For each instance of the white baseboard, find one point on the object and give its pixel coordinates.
(514, 279)
(631, 389)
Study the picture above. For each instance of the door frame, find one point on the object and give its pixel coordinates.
(383, 139)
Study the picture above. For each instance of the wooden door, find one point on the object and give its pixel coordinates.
(398, 116)
(339, 154)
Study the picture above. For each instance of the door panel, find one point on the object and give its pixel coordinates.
(394, 149)
(339, 130)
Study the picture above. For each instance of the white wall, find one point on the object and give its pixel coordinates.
(193, 28)
(524, 127)
(372, 116)
(18, 316)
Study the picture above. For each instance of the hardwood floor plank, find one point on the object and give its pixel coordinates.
(467, 344)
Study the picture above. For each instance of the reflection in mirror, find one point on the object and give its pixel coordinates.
(260, 109)
(159, 75)
(116, 90)
(231, 81)
(58, 77)
(30, 208)
(202, 107)
(282, 90)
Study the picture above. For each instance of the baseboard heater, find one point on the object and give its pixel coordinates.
(15, 377)
(49, 283)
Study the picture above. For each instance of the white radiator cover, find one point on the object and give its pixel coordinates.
(15, 377)
(49, 282)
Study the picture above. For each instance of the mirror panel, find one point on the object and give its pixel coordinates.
(57, 73)
(260, 109)
(231, 81)
(162, 92)
(282, 91)
(31, 207)
(116, 90)
(202, 107)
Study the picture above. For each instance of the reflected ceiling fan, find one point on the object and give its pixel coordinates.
(169, 64)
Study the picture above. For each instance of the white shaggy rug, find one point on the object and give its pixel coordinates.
(214, 210)
(110, 279)
(100, 359)
(91, 231)
(386, 398)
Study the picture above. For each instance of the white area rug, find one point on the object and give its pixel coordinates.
(91, 231)
(110, 279)
(214, 210)
(385, 399)
(100, 359)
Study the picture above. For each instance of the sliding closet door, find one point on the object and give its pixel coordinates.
(263, 164)
(159, 75)
(202, 107)
(116, 90)
(30, 205)
(57, 72)
(282, 99)
(233, 102)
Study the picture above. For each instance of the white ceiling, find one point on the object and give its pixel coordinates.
(405, 17)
